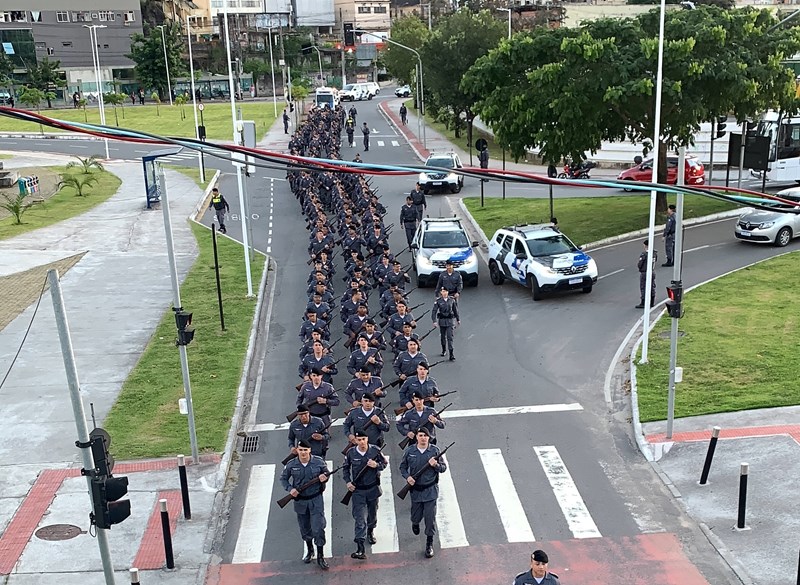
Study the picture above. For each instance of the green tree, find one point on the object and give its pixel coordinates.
(258, 68)
(32, 97)
(47, 76)
(157, 99)
(147, 51)
(78, 183)
(17, 206)
(458, 41)
(400, 62)
(6, 72)
(180, 101)
(86, 165)
(115, 99)
(566, 90)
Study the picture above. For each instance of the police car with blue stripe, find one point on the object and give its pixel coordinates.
(437, 241)
(541, 258)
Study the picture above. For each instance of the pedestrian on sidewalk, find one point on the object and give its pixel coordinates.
(221, 207)
(285, 122)
(642, 265)
(669, 236)
(365, 132)
(75, 99)
(538, 573)
(403, 114)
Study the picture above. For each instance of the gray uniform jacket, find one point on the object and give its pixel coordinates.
(395, 323)
(370, 482)
(357, 421)
(411, 421)
(310, 362)
(300, 432)
(308, 395)
(411, 385)
(408, 214)
(407, 364)
(454, 283)
(446, 311)
(358, 360)
(295, 474)
(669, 227)
(527, 578)
(426, 487)
(356, 388)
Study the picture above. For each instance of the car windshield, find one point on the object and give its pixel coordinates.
(550, 246)
(348, 87)
(446, 163)
(444, 240)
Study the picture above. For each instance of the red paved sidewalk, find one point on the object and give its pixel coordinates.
(736, 433)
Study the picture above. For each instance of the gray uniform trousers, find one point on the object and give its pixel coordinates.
(365, 511)
(643, 284)
(311, 519)
(669, 247)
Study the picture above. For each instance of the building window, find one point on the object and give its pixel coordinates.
(379, 10)
(66, 43)
(40, 45)
(106, 16)
(81, 17)
(130, 16)
(62, 16)
(364, 10)
(36, 16)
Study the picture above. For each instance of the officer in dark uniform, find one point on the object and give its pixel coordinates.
(418, 199)
(408, 219)
(669, 236)
(425, 488)
(538, 573)
(318, 396)
(220, 207)
(366, 489)
(358, 418)
(365, 132)
(418, 417)
(483, 159)
(642, 265)
(364, 382)
(308, 504)
(308, 429)
(422, 383)
(451, 280)
(445, 317)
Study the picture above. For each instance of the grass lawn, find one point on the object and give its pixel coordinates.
(738, 351)
(63, 205)
(583, 219)
(5, 156)
(145, 421)
(164, 119)
(194, 174)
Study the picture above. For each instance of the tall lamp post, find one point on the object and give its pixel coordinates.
(96, 62)
(166, 61)
(194, 100)
(319, 57)
(509, 19)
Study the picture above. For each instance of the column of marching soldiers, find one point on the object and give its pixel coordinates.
(347, 232)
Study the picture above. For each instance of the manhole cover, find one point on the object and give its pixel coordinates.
(250, 444)
(665, 334)
(58, 532)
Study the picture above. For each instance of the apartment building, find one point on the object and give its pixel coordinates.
(368, 15)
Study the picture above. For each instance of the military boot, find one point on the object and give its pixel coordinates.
(429, 548)
(309, 552)
(321, 559)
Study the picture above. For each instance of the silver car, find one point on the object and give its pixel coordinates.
(771, 227)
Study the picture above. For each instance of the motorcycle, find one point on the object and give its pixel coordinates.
(577, 170)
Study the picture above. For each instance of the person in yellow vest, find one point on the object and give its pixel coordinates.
(221, 207)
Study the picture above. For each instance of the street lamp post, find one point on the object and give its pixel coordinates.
(428, 6)
(509, 19)
(272, 71)
(166, 61)
(96, 62)
(194, 101)
(319, 57)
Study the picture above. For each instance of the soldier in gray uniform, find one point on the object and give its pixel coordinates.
(406, 362)
(318, 396)
(422, 383)
(451, 280)
(357, 420)
(538, 574)
(408, 219)
(308, 504)
(669, 236)
(364, 382)
(308, 429)
(419, 417)
(642, 266)
(366, 489)
(418, 199)
(425, 489)
(445, 317)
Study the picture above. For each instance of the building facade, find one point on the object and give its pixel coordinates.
(368, 15)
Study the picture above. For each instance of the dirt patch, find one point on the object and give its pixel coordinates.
(48, 186)
(19, 290)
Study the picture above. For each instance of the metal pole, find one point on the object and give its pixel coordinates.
(249, 218)
(187, 506)
(744, 470)
(481, 192)
(319, 58)
(176, 305)
(166, 62)
(167, 534)
(712, 445)
(194, 101)
(134, 573)
(344, 78)
(711, 155)
(216, 271)
(741, 154)
(653, 193)
(77, 408)
(96, 62)
(504, 168)
(272, 70)
(419, 110)
(422, 102)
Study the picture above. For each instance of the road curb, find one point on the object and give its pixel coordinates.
(49, 135)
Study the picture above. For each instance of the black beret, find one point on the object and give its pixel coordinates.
(365, 370)
(316, 371)
(540, 556)
(302, 408)
(303, 445)
(424, 431)
(369, 396)
(360, 433)
(417, 394)
(423, 364)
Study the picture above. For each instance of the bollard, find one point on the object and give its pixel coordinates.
(798, 569)
(712, 445)
(187, 509)
(744, 469)
(134, 576)
(167, 535)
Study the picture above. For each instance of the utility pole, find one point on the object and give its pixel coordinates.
(344, 76)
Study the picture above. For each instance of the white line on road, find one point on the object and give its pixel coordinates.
(496, 411)
(610, 274)
(386, 530)
(380, 143)
(450, 524)
(512, 514)
(697, 248)
(395, 143)
(257, 502)
(569, 498)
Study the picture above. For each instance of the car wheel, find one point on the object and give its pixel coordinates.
(369, 97)
(627, 189)
(472, 282)
(455, 188)
(561, 176)
(425, 190)
(784, 237)
(495, 274)
(586, 290)
(420, 282)
(536, 292)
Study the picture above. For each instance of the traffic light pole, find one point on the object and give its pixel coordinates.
(77, 408)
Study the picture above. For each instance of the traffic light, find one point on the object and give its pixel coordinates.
(721, 126)
(183, 320)
(106, 494)
(349, 35)
(674, 296)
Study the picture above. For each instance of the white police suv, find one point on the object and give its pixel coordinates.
(540, 257)
(438, 240)
(441, 178)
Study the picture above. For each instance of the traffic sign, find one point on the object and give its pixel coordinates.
(481, 144)
(201, 107)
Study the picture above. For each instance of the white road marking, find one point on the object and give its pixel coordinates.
(610, 274)
(395, 143)
(257, 502)
(496, 411)
(512, 514)
(448, 514)
(569, 499)
(386, 530)
(380, 143)
(697, 248)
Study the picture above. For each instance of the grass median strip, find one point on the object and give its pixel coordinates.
(583, 219)
(145, 421)
(739, 347)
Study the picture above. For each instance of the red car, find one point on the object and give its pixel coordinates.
(643, 171)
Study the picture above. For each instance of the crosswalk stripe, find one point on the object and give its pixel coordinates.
(451, 526)
(569, 499)
(380, 143)
(512, 514)
(395, 143)
(386, 531)
(253, 529)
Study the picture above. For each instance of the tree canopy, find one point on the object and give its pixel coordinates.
(400, 62)
(46, 75)
(147, 51)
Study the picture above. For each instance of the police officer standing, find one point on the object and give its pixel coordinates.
(365, 132)
(538, 573)
(642, 265)
(220, 207)
(285, 122)
(445, 317)
(669, 236)
(418, 199)
(366, 489)
(425, 489)
(451, 280)
(408, 218)
(308, 504)
(483, 159)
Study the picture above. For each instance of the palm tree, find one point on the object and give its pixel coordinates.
(86, 164)
(77, 182)
(16, 206)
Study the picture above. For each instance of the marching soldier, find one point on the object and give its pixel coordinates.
(394, 325)
(406, 362)
(308, 504)
(538, 573)
(421, 384)
(397, 276)
(308, 429)
(312, 322)
(320, 361)
(366, 489)
(364, 382)
(425, 489)
(365, 356)
(419, 417)
(418, 199)
(400, 342)
(445, 317)
(642, 266)
(318, 396)
(357, 421)
(451, 280)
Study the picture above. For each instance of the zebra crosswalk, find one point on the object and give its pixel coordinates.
(508, 491)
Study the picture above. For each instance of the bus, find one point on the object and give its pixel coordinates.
(326, 97)
(784, 146)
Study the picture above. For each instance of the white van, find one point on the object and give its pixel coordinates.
(353, 92)
(374, 88)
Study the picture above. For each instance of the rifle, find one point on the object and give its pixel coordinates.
(407, 488)
(300, 385)
(404, 443)
(366, 425)
(405, 294)
(428, 333)
(415, 307)
(423, 314)
(289, 497)
(291, 456)
(348, 495)
(292, 416)
(403, 409)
